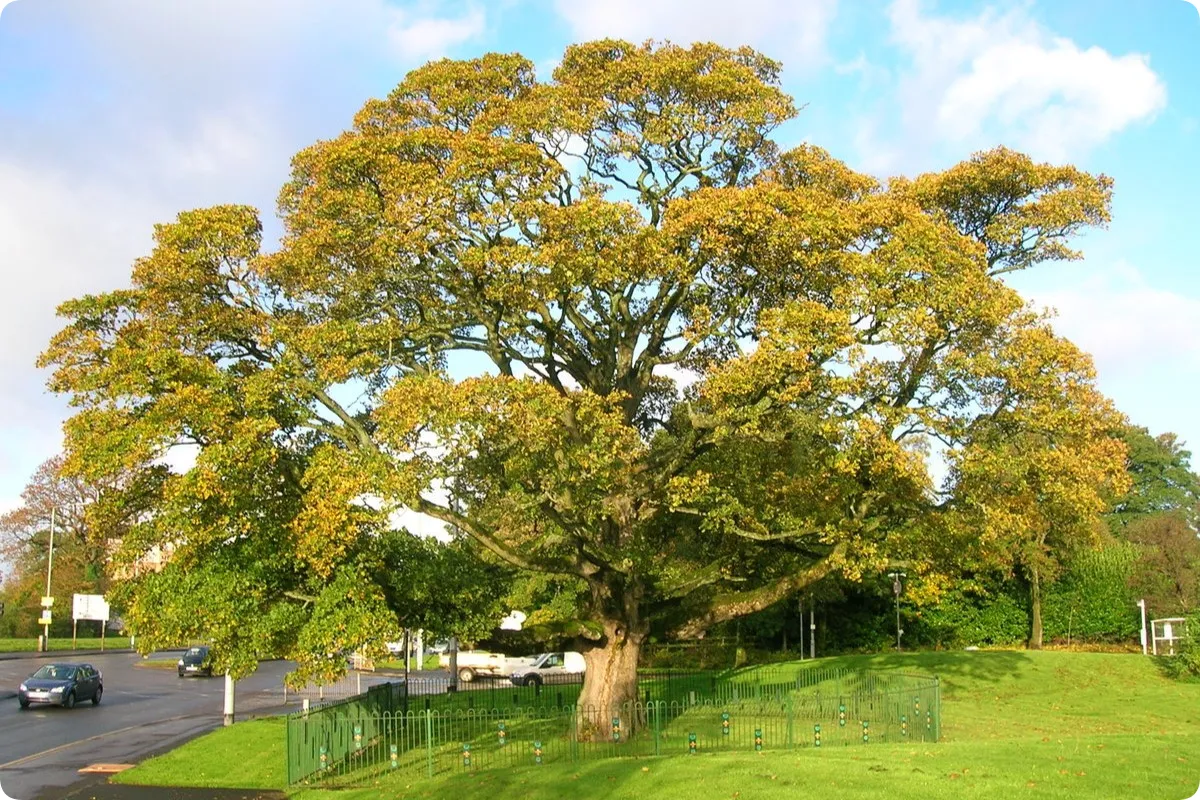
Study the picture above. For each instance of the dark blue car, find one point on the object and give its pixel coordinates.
(195, 662)
(62, 685)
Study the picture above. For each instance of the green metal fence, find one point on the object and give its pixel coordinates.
(352, 742)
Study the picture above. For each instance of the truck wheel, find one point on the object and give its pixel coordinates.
(533, 680)
(466, 674)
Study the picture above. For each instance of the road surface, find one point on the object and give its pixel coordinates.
(143, 710)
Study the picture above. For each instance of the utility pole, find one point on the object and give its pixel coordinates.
(49, 570)
(897, 587)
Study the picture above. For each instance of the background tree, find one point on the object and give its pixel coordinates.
(1160, 514)
(590, 237)
(1167, 573)
(86, 529)
(1162, 480)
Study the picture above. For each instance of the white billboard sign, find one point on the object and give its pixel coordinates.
(90, 606)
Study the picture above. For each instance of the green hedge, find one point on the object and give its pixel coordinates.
(1091, 602)
(962, 619)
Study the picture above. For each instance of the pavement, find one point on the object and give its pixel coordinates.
(114, 791)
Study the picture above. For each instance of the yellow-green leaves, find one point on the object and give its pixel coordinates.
(1022, 211)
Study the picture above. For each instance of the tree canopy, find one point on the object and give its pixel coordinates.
(714, 370)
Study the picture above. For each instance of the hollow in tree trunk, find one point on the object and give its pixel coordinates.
(610, 688)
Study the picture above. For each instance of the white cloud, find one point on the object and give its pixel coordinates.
(429, 37)
(970, 83)
(1126, 323)
(794, 29)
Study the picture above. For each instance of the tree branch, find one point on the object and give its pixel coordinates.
(732, 605)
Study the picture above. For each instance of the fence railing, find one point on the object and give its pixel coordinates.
(395, 732)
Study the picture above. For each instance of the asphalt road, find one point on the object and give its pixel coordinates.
(143, 710)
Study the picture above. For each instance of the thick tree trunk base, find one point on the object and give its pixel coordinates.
(610, 689)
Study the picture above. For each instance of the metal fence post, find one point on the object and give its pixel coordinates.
(575, 733)
(657, 723)
(937, 714)
(288, 744)
(429, 742)
(790, 719)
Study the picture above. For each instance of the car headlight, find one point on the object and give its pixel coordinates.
(57, 689)
(24, 688)
(181, 662)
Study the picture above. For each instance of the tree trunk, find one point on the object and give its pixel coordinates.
(610, 687)
(1035, 610)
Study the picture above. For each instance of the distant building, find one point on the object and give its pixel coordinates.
(152, 561)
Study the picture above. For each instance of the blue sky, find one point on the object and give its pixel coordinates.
(116, 114)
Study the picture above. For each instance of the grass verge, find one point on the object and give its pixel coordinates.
(157, 663)
(89, 643)
(248, 755)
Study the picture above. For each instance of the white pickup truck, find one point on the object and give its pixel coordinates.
(548, 668)
(474, 663)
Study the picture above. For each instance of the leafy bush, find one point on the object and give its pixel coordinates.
(1186, 662)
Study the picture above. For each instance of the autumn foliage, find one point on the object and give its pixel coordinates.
(606, 329)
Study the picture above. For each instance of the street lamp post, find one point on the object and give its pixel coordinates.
(812, 628)
(897, 587)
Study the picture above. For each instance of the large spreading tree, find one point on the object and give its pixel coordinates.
(606, 330)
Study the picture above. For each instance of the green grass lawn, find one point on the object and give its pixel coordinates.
(1038, 725)
(88, 643)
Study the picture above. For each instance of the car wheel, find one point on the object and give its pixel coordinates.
(96, 697)
(533, 680)
(466, 674)
(69, 700)
(181, 673)
(24, 704)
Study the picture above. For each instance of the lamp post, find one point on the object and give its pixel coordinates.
(897, 587)
(812, 628)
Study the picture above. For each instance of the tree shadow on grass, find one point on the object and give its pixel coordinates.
(955, 669)
(588, 780)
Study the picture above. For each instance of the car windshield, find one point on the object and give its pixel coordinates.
(197, 651)
(54, 672)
